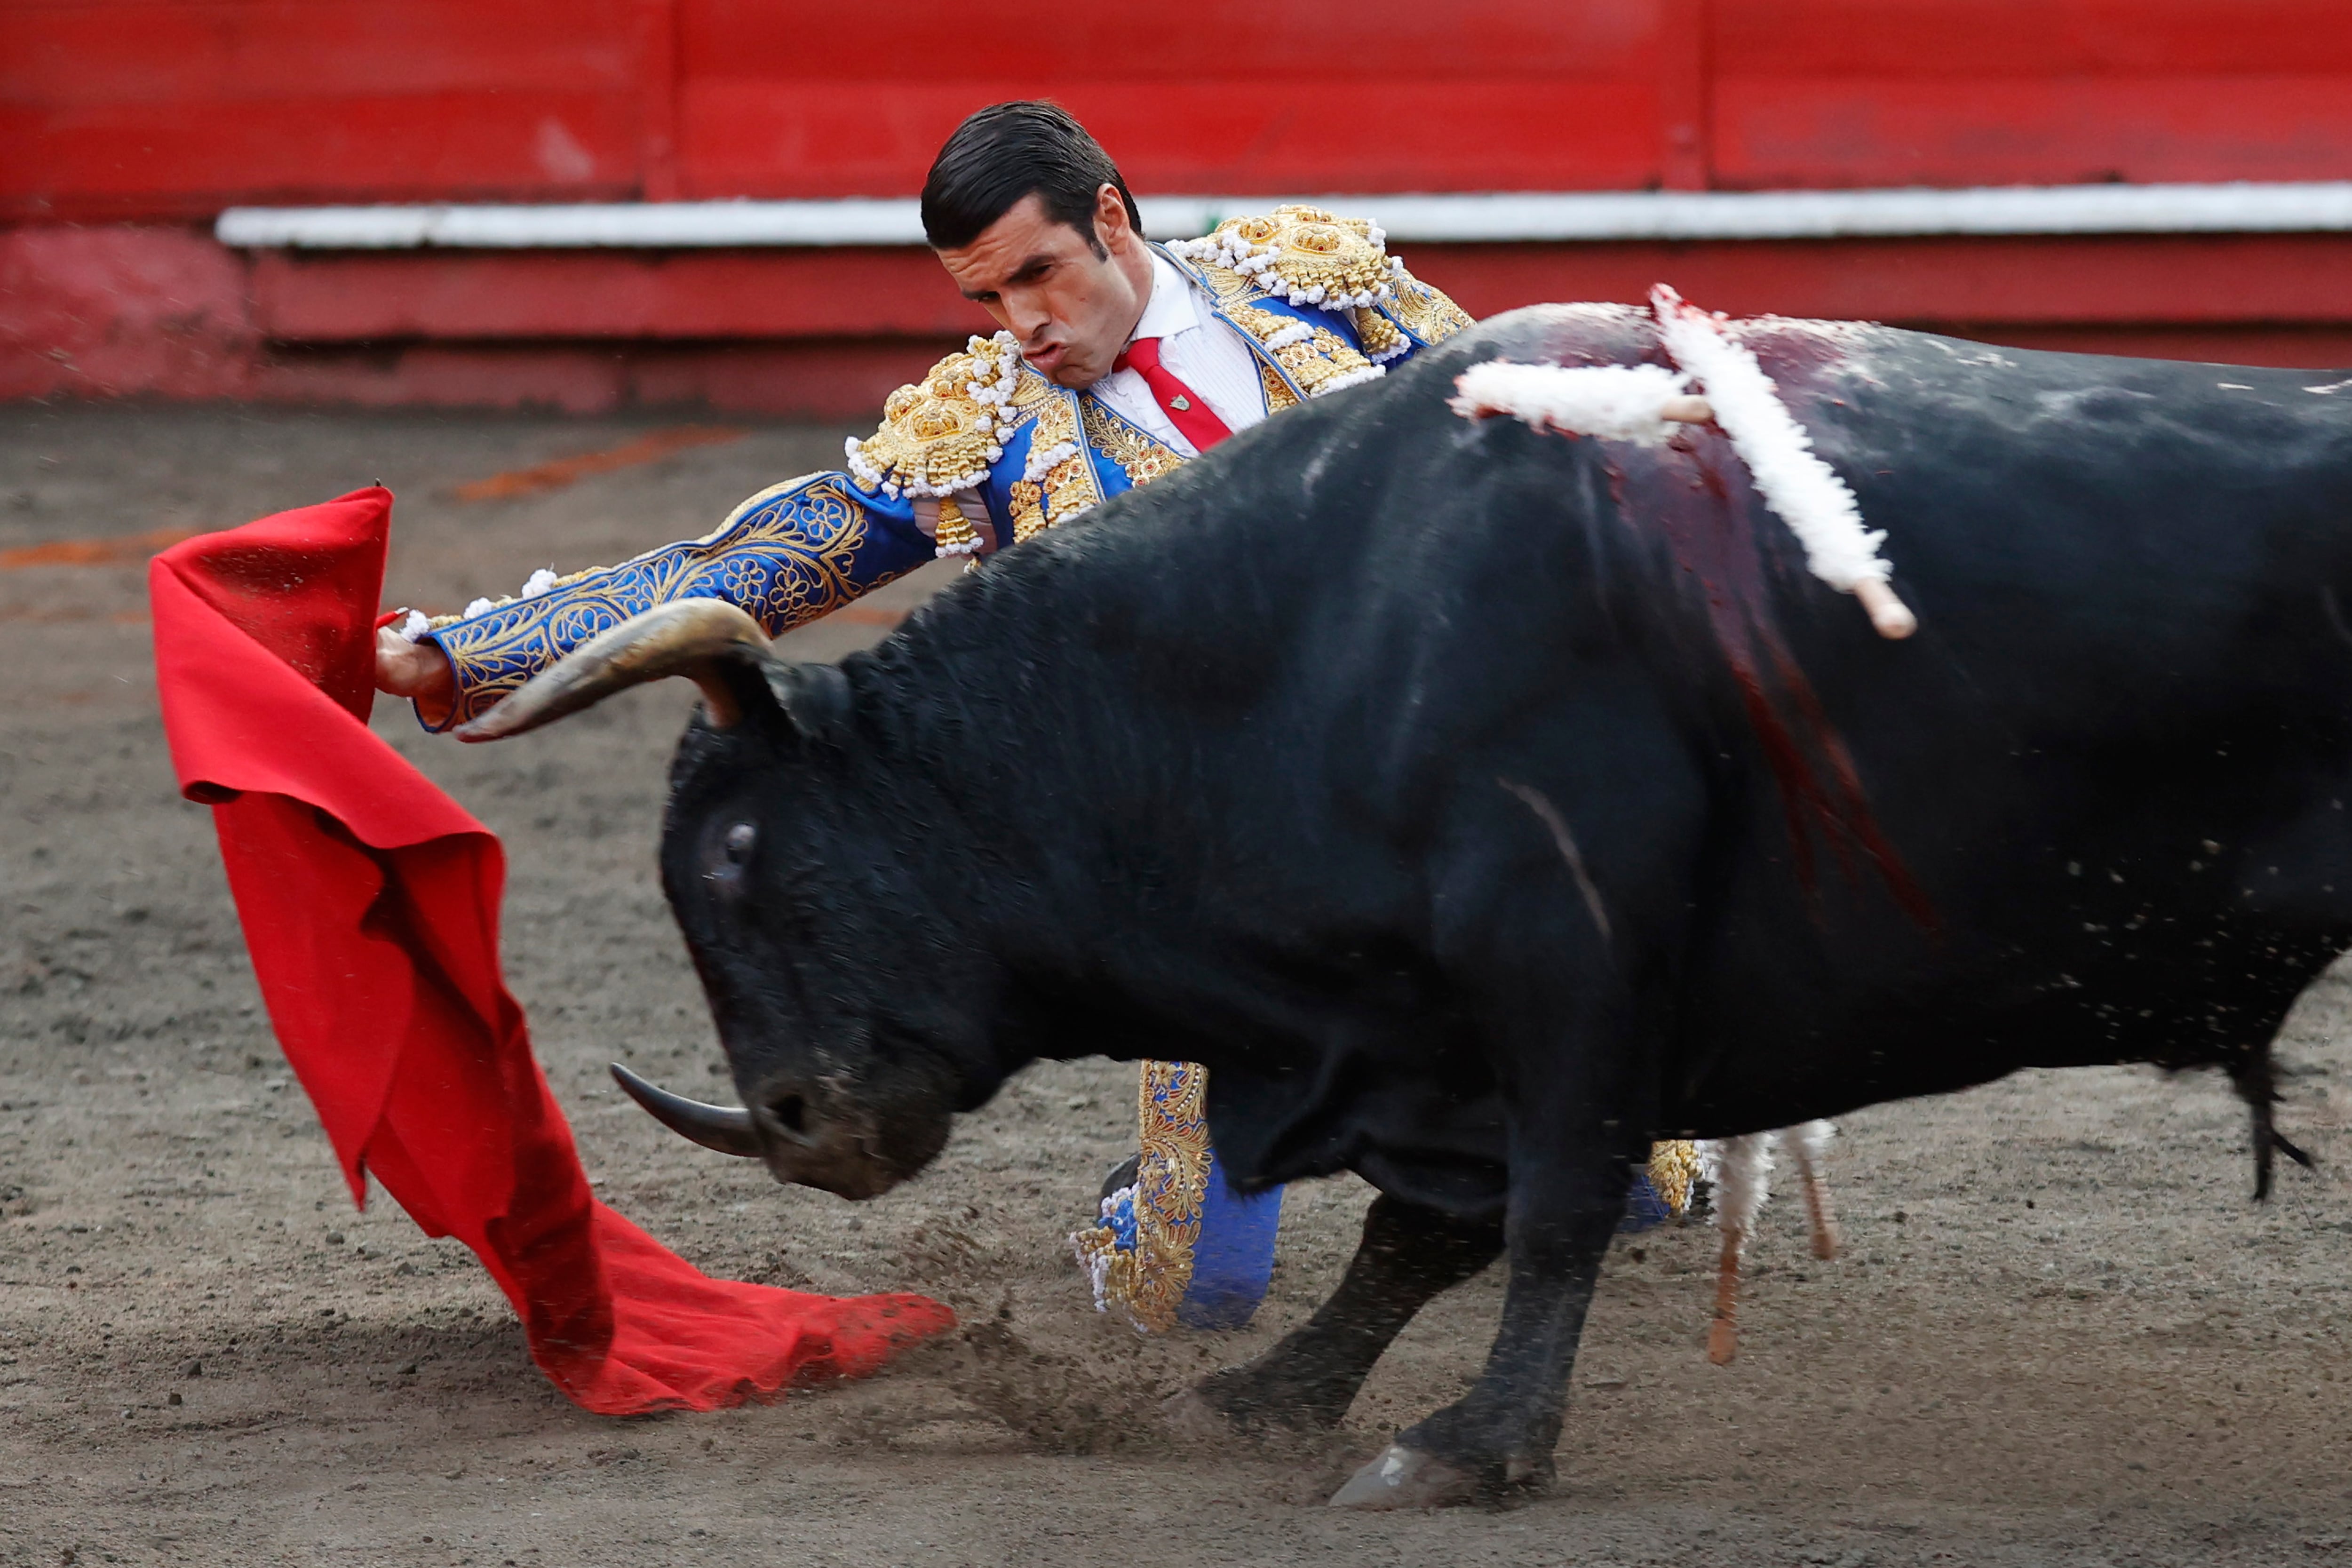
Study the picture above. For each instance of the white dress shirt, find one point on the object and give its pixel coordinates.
(1199, 350)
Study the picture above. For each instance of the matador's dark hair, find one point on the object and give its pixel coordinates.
(1007, 151)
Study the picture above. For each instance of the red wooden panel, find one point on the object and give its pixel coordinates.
(175, 52)
(2217, 280)
(113, 311)
(176, 107)
(822, 138)
(179, 107)
(126, 159)
(939, 43)
(818, 379)
(1843, 131)
(604, 294)
(1246, 95)
(2069, 38)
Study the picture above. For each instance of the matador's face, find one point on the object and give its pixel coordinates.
(1071, 308)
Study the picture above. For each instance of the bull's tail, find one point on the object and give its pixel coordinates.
(2257, 1084)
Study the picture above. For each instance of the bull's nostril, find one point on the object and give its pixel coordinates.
(792, 1113)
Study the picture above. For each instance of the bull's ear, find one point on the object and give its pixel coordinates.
(814, 697)
(737, 683)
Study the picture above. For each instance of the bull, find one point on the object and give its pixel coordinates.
(1479, 803)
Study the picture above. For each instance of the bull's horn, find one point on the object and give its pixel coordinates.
(686, 636)
(713, 1126)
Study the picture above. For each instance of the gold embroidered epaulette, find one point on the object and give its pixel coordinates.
(1140, 1257)
(1311, 257)
(940, 434)
(1306, 255)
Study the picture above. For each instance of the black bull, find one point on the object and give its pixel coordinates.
(1479, 803)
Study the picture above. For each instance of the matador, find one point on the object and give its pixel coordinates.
(1118, 361)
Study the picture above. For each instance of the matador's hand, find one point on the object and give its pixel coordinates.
(416, 670)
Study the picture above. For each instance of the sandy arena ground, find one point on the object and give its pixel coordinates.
(2060, 1334)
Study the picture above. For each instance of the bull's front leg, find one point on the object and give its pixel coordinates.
(1500, 1438)
(1576, 997)
(1409, 1255)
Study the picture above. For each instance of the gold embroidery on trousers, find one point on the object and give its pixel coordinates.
(1147, 1273)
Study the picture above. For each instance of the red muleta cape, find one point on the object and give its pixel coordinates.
(370, 901)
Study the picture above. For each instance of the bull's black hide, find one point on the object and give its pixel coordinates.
(1479, 803)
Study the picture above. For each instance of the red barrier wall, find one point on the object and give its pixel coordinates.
(152, 109)
(159, 112)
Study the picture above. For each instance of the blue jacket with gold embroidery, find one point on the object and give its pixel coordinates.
(982, 451)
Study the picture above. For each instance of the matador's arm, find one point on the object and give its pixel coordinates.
(787, 555)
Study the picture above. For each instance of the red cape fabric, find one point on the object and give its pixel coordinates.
(370, 901)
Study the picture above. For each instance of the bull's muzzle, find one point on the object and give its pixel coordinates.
(789, 1128)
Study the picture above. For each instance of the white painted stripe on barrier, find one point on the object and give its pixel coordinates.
(1505, 217)
(579, 225)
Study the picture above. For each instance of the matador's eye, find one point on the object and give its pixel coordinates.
(740, 839)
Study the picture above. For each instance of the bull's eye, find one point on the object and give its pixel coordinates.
(724, 869)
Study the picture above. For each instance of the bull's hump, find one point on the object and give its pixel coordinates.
(1562, 334)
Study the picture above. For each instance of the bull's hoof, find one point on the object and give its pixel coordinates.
(1722, 1342)
(1407, 1477)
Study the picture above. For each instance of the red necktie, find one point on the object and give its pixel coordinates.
(1186, 410)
